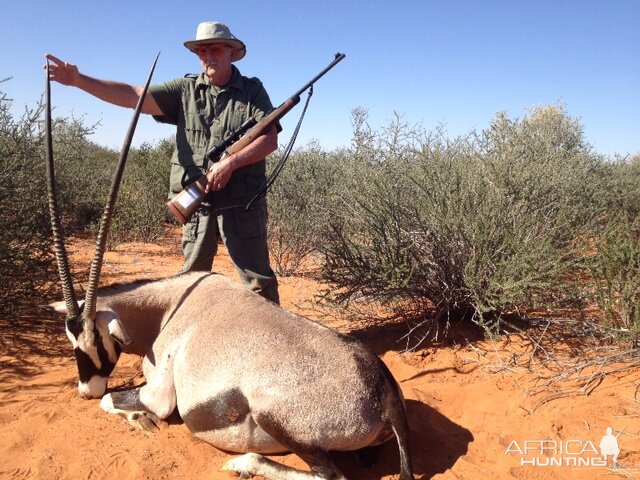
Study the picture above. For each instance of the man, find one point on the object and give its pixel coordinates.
(206, 108)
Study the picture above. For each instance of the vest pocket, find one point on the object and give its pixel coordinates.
(197, 138)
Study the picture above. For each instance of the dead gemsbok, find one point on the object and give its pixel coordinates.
(245, 375)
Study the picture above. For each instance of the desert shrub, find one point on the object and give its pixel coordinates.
(615, 263)
(25, 256)
(478, 224)
(140, 213)
(544, 161)
(615, 269)
(83, 172)
(300, 203)
(621, 192)
(83, 176)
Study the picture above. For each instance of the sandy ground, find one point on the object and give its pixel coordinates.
(476, 411)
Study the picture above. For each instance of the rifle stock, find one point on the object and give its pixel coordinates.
(185, 203)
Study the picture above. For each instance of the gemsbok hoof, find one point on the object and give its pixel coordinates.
(145, 421)
(244, 466)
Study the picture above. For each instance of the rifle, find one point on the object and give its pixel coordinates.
(185, 203)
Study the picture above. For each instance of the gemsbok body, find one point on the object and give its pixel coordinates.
(245, 375)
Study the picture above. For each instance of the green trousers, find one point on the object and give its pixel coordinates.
(245, 235)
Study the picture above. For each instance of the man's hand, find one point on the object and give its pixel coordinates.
(219, 174)
(63, 72)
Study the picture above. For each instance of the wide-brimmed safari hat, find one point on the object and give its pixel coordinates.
(216, 32)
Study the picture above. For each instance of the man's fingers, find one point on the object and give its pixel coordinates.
(55, 60)
(60, 71)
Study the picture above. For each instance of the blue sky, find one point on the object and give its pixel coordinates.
(448, 62)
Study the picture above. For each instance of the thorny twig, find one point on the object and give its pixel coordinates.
(607, 365)
(561, 347)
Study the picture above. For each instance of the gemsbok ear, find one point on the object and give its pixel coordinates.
(118, 332)
(61, 306)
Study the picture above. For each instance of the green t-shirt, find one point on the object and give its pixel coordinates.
(204, 115)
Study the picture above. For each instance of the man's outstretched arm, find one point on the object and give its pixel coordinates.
(116, 93)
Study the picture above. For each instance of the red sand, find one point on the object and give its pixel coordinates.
(470, 407)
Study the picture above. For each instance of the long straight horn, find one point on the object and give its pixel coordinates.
(96, 265)
(54, 212)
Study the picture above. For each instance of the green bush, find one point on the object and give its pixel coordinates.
(83, 176)
(140, 213)
(615, 263)
(83, 172)
(300, 205)
(25, 257)
(616, 273)
(622, 189)
(476, 225)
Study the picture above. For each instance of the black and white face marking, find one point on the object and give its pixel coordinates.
(96, 355)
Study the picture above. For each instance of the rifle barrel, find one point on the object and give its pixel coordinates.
(339, 56)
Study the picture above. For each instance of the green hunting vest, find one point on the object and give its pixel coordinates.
(204, 115)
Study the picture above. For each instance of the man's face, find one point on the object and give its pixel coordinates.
(215, 60)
